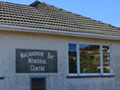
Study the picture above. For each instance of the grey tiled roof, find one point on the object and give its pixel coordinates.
(49, 17)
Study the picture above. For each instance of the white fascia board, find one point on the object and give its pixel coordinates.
(56, 32)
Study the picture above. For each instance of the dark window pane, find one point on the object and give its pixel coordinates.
(72, 47)
(72, 62)
(38, 83)
(89, 58)
(106, 59)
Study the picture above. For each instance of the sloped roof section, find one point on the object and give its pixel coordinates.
(41, 15)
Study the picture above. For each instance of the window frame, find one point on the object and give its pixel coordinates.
(101, 60)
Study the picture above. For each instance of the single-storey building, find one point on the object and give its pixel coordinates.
(46, 48)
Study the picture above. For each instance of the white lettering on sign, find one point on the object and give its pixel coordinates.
(36, 61)
(35, 68)
(28, 54)
(50, 56)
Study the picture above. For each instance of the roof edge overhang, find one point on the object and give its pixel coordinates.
(56, 32)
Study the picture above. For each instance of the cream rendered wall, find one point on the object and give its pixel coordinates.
(9, 41)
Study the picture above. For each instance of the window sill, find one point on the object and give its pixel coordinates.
(97, 76)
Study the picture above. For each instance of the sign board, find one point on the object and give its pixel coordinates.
(36, 61)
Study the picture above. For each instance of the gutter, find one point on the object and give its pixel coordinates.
(56, 32)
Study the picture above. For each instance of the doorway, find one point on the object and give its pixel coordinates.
(38, 83)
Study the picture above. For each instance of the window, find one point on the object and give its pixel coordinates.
(38, 84)
(72, 58)
(106, 59)
(89, 59)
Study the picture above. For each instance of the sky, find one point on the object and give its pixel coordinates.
(107, 11)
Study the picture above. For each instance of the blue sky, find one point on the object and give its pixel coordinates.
(107, 11)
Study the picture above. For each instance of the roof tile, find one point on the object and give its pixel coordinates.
(50, 17)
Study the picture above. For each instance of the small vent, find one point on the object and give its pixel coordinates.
(35, 4)
(38, 84)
